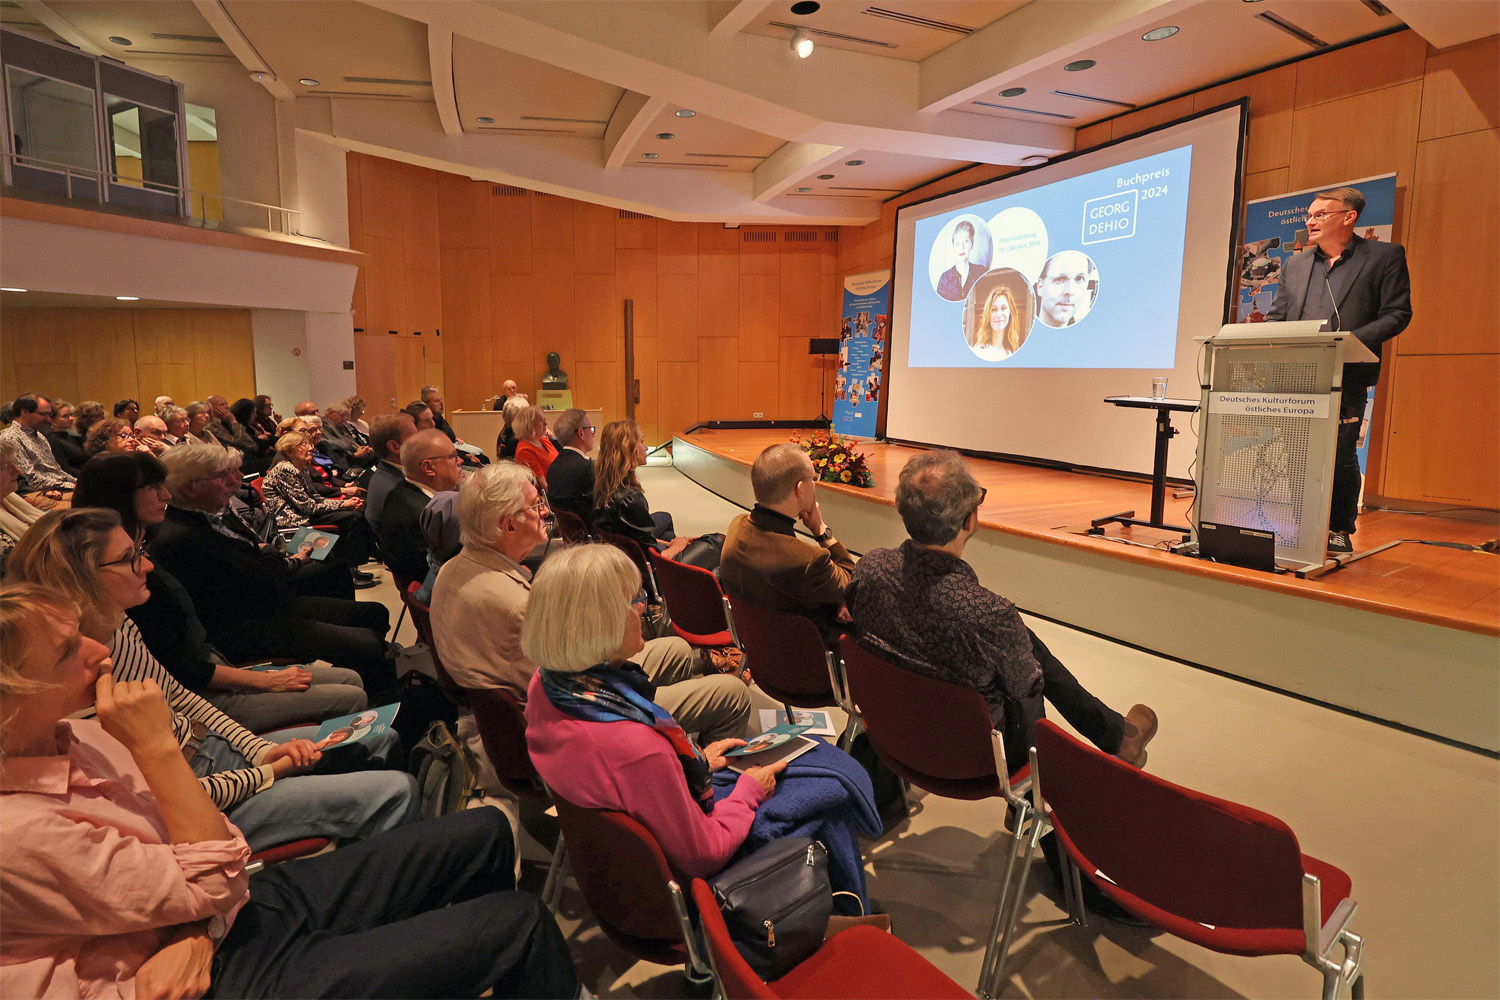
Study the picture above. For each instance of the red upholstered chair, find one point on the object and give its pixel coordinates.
(789, 660)
(694, 601)
(1216, 873)
(502, 727)
(857, 963)
(571, 527)
(637, 555)
(260, 860)
(903, 712)
(629, 887)
(421, 617)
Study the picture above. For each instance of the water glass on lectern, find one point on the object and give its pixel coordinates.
(1159, 387)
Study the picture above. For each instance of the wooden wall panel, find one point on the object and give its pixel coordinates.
(646, 374)
(1454, 244)
(718, 379)
(552, 326)
(760, 317)
(165, 337)
(635, 279)
(718, 295)
(510, 233)
(677, 317)
(419, 223)
(676, 247)
(595, 319)
(381, 186)
(1272, 94)
(1437, 451)
(1386, 123)
(601, 384)
(760, 393)
(593, 239)
(636, 232)
(712, 236)
(385, 286)
(463, 213)
(677, 398)
(375, 372)
(61, 380)
(551, 222)
(423, 296)
(800, 290)
(1361, 69)
(465, 286)
(411, 369)
(797, 390)
(1459, 93)
(512, 304)
(1149, 118)
(1266, 183)
(223, 353)
(104, 349)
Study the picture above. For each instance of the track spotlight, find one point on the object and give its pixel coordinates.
(802, 43)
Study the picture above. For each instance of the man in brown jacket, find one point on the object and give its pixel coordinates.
(766, 564)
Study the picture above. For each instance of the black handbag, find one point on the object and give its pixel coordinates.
(776, 904)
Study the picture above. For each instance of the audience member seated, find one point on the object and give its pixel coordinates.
(534, 448)
(505, 444)
(508, 390)
(176, 419)
(44, 484)
(619, 502)
(343, 442)
(111, 435)
(431, 464)
(85, 415)
(765, 563)
(161, 401)
(244, 412)
(229, 432)
(134, 487)
(254, 601)
(151, 434)
(387, 434)
(480, 602)
(290, 482)
(267, 788)
(356, 407)
(16, 515)
(570, 479)
(467, 453)
(67, 446)
(421, 415)
(264, 415)
(424, 910)
(199, 414)
(922, 608)
(128, 410)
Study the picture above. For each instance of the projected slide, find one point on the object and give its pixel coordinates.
(1085, 272)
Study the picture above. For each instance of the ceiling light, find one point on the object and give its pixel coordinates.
(1080, 65)
(127, 298)
(805, 7)
(825, 177)
(1157, 34)
(804, 189)
(12, 289)
(485, 120)
(854, 163)
(1034, 160)
(1012, 91)
(684, 113)
(308, 81)
(666, 135)
(260, 77)
(118, 40)
(802, 43)
(650, 156)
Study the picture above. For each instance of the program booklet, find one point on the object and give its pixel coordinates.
(780, 743)
(353, 728)
(818, 723)
(321, 541)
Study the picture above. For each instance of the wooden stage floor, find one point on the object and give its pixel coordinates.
(1450, 588)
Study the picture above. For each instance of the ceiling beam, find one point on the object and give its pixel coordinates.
(440, 58)
(1445, 23)
(790, 164)
(632, 116)
(1030, 38)
(61, 26)
(218, 18)
(730, 17)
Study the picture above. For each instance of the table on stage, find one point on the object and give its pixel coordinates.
(1164, 434)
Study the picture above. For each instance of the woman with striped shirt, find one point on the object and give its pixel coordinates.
(267, 788)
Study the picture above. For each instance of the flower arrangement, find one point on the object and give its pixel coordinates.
(835, 460)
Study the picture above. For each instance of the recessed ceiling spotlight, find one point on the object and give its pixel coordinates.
(805, 7)
(120, 40)
(650, 156)
(804, 189)
(127, 298)
(485, 120)
(825, 177)
(854, 163)
(1034, 160)
(666, 135)
(1080, 65)
(1157, 34)
(684, 113)
(260, 77)
(802, 43)
(308, 81)
(12, 289)
(1012, 91)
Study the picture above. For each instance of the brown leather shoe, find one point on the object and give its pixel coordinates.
(1140, 727)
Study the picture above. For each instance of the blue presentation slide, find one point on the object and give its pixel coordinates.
(1081, 273)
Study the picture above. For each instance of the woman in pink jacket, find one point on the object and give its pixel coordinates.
(594, 733)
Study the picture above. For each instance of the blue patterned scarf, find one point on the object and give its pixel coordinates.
(623, 694)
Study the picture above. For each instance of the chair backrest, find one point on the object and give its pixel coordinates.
(631, 548)
(1194, 857)
(624, 879)
(421, 617)
(786, 652)
(502, 729)
(934, 733)
(571, 527)
(693, 598)
(736, 978)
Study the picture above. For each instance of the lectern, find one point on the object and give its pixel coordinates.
(1270, 411)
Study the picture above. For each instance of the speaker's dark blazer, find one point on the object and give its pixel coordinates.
(1372, 291)
(400, 531)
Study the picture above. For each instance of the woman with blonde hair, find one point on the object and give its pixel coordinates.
(619, 501)
(290, 481)
(507, 442)
(998, 334)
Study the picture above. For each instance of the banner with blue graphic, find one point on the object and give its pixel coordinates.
(1274, 230)
(864, 328)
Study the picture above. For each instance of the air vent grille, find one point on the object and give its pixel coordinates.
(831, 236)
(1024, 111)
(917, 20)
(366, 95)
(1296, 31)
(1096, 100)
(577, 121)
(676, 163)
(525, 131)
(834, 34)
(758, 237)
(727, 156)
(165, 36)
(800, 236)
(507, 191)
(387, 81)
(835, 187)
(625, 213)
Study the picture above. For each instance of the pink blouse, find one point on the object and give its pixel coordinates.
(630, 768)
(92, 882)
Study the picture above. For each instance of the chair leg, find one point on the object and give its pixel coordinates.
(396, 632)
(552, 890)
(1001, 904)
(1075, 879)
(697, 970)
(1019, 894)
(855, 726)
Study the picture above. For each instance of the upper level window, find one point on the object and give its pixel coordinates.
(144, 141)
(52, 122)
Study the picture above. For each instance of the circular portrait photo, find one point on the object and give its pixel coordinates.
(999, 314)
(960, 254)
(1067, 289)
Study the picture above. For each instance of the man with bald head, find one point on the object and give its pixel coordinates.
(152, 432)
(430, 465)
(306, 408)
(766, 564)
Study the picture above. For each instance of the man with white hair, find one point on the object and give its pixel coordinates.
(161, 401)
(479, 604)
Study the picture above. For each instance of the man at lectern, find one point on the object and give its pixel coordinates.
(1360, 286)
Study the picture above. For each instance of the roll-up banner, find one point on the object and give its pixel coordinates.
(864, 325)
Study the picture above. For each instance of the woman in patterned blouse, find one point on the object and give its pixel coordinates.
(290, 481)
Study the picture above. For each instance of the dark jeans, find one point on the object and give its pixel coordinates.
(428, 910)
(344, 633)
(356, 539)
(323, 579)
(1343, 505)
(1096, 721)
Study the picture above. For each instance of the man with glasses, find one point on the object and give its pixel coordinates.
(431, 465)
(44, 484)
(1357, 285)
(570, 478)
(766, 564)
